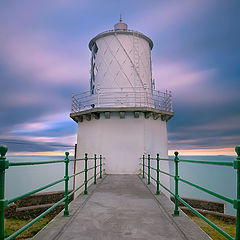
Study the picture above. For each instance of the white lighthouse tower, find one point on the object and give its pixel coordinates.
(122, 116)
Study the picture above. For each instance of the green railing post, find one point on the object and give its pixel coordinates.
(95, 168)
(143, 173)
(66, 212)
(148, 169)
(176, 178)
(237, 202)
(157, 192)
(100, 166)
(3, 203)
(86, 170)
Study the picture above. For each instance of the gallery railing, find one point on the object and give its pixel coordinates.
(5, 164)
(122, 97)
(146, 170)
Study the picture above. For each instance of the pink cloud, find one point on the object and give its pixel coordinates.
(38, 126)
(175, 75)
(24, 98)
(163, 15)
(36, 56)
(188, 84)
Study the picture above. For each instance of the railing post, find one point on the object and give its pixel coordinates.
(159, 100)
(95, 168)
(164, 101)
(100, 166)
(66, 212)
(145, 97)
(167, 102)
(98, 96)
(86, 170)
(84, 99)
(157, 192)
(3, 202)
(148, 169)
(170, 96)
(143, 173)
(176, 160)
(237, 202)
(72, 101)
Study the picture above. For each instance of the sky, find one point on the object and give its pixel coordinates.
(44, 57)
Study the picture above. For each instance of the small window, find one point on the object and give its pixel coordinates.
(93, 68)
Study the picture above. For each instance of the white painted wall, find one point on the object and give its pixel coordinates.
(123, 60)
(122, 142)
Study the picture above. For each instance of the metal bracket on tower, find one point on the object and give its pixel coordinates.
(80, 118)
(88, 117)
(96, 115)
(107, 115)
(163, 117)
(147, 115)
(156, 116)
(122, 114)
(136, 114)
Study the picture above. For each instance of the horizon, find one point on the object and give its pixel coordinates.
(44, 57)
(170, 153)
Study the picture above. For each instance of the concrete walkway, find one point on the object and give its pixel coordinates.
(121, 207)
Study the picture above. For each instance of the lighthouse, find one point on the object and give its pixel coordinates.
(122, 116)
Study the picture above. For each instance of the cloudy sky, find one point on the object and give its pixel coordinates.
(44, 56)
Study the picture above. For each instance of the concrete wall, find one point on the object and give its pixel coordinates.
(122, 142)
(35, 204)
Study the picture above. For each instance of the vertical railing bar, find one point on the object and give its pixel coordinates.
(95, 168)
(167, 103)
(171, 107)
(143, 173)
(72, 102)
(159, 100)
(100, 166)
(84, 101)
(176, 160)
(98, 96)
(66, 212)
(237, 205)
(74, 166)
(149, 169)
(3, 203)
(157, 192)
(86, 170)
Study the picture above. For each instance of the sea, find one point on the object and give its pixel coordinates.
(220, 179)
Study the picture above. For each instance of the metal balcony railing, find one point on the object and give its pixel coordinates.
(147, 170)
(5, 164)
(122, 97)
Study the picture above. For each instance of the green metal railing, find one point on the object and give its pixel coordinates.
(235, 202)
(5, 164)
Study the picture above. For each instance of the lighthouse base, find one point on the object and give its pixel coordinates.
(122, 141)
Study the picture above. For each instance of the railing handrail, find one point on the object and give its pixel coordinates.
(197, 161)
(4, 164)
(236, 203)
(11, 164)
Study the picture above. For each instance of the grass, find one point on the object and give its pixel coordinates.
(12, 225)
(229, 228)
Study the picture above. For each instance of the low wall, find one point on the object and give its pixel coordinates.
(203, 204)
(35, 204)
(206, 207)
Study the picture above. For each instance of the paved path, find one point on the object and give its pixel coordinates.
(120, 207)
